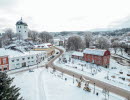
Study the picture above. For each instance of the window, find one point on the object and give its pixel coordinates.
(32, 57)
(28, 57)
(5, 68)
(25, 31)
(19, 31)
(12, 60)
(17, 59)
(23, 58)
(4, 61)
(17, 64)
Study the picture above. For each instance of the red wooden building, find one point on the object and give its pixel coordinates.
(97, 56)
(4, 63)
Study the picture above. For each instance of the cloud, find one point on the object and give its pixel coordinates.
(121, 23)
(8, 3)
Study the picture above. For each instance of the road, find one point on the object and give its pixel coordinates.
(98, 83)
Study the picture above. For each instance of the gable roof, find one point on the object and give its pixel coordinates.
(98, 52)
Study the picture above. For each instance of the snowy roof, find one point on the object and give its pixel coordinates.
(12, 53)
(98, 52)
(77, 53)
(56, 39)
(20, 22)
(44, 45)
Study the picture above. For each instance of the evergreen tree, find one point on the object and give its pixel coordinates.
(8, 91)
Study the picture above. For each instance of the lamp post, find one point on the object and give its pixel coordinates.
(37, 59)
(73, 79)
(94, 89)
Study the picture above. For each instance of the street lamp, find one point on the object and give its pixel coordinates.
(73, 79)
(37, 59)
(94, 89)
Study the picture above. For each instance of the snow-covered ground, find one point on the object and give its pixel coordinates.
(111, 75)
(123, 54)
(43, 84)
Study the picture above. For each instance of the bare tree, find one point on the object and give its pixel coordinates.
(0, 42)
(88, 39)
(45, 37)
(74, 43)
(33, 35)
(9, 33)
(115, 46)
(103, 43)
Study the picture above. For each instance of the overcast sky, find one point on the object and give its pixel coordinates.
(65, 15)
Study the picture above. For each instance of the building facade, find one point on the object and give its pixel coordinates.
(26, 60)
(77, 55)
(16, 59)
(4, 63)
(22, 29)
(96, 56)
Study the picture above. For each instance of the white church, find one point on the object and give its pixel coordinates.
(22, 29)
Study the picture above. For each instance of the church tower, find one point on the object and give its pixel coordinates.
(22, 29)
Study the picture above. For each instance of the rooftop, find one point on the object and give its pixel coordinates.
(98, 52)
(12, 53)
(20, 22)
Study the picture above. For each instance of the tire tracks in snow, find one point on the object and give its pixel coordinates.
(42, 95)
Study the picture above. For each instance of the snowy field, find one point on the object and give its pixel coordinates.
(43, 84)
(111, 75)
(123, 54)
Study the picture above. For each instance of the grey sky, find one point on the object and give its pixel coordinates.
(69, 15)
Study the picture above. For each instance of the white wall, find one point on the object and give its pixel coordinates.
(27, 59)
(23, 30)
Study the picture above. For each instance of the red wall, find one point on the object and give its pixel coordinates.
(4, 63)
(99, 60)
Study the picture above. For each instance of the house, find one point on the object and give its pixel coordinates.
(58, 42)
(48, 47)
(4, 63)
(77, 55)
(97, 56)
(17, 59)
